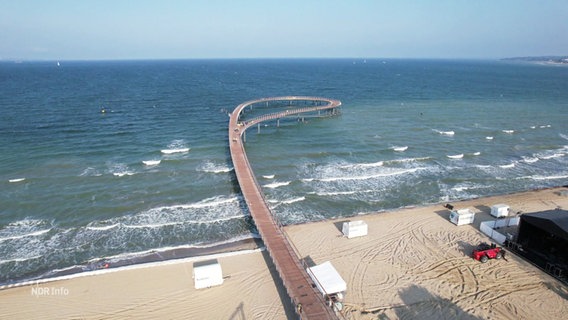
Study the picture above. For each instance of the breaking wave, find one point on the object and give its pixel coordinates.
(277, 184)
(212, 167)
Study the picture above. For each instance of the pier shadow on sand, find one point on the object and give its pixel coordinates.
(284, 298)
(419, 303)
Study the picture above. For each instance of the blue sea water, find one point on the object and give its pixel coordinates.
(79, 185)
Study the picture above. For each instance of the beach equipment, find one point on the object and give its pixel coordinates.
(352, 229)
(484, 252)
(329, 283)
(499, 210)
(207, 274)
(462, 216)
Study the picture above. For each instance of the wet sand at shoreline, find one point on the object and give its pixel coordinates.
(413, 264)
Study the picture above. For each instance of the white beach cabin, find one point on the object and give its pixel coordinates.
(462, 216)
(329, 283)
(352, 229)
(207, 274)
(499, 210)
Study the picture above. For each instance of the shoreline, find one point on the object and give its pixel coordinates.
(165, 255)
(145, 265)
(413, 261)
(154, 257)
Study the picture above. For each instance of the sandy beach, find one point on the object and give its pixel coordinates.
(413, 264)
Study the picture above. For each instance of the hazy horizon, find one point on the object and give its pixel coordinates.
(118, 30)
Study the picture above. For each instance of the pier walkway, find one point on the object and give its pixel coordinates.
(308, 302)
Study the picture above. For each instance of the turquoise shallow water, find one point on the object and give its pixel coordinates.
(119, 184)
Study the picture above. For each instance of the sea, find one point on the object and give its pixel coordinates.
(113, 161)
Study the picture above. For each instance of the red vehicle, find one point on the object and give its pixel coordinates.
(484, 252)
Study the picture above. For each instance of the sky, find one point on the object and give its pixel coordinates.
(210, 29)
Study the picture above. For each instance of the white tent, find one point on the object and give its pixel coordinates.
(462, 216)
(207, 274)
(353, 229)
(499, 210)
(327, 279)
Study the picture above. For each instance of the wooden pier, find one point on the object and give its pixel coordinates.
(308, 301)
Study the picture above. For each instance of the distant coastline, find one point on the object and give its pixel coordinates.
(555, 60)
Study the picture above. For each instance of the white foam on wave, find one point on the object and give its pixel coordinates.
(119, 169)
(129, 255)
(26, 235)
(489, 138)
(540, 178)
(362, 165)
(367, 177)
(90, 172)
(271, 176)
(176, 146)
(467, 186)
(476, 153)
(508, 131)
(507, 166)
(399, 149)
(552, 153)
(19, 259)
(293, 200)
(211, 167)
(209, 202)
(563, 136)
(24, 228)
(460, 189)
(122, 174)
(16, 180)
(277, 184)
(147, 227)
(530, 159)
(335, 193)
(551, 156)
(445, 133)
(464, 190)
(211, 221)
(151, 162)
(276, 203)
(210, 210)
(404, 160)
(455, 156)
(102, 228)
(172, 151)
(218, 201)
(168, 224)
